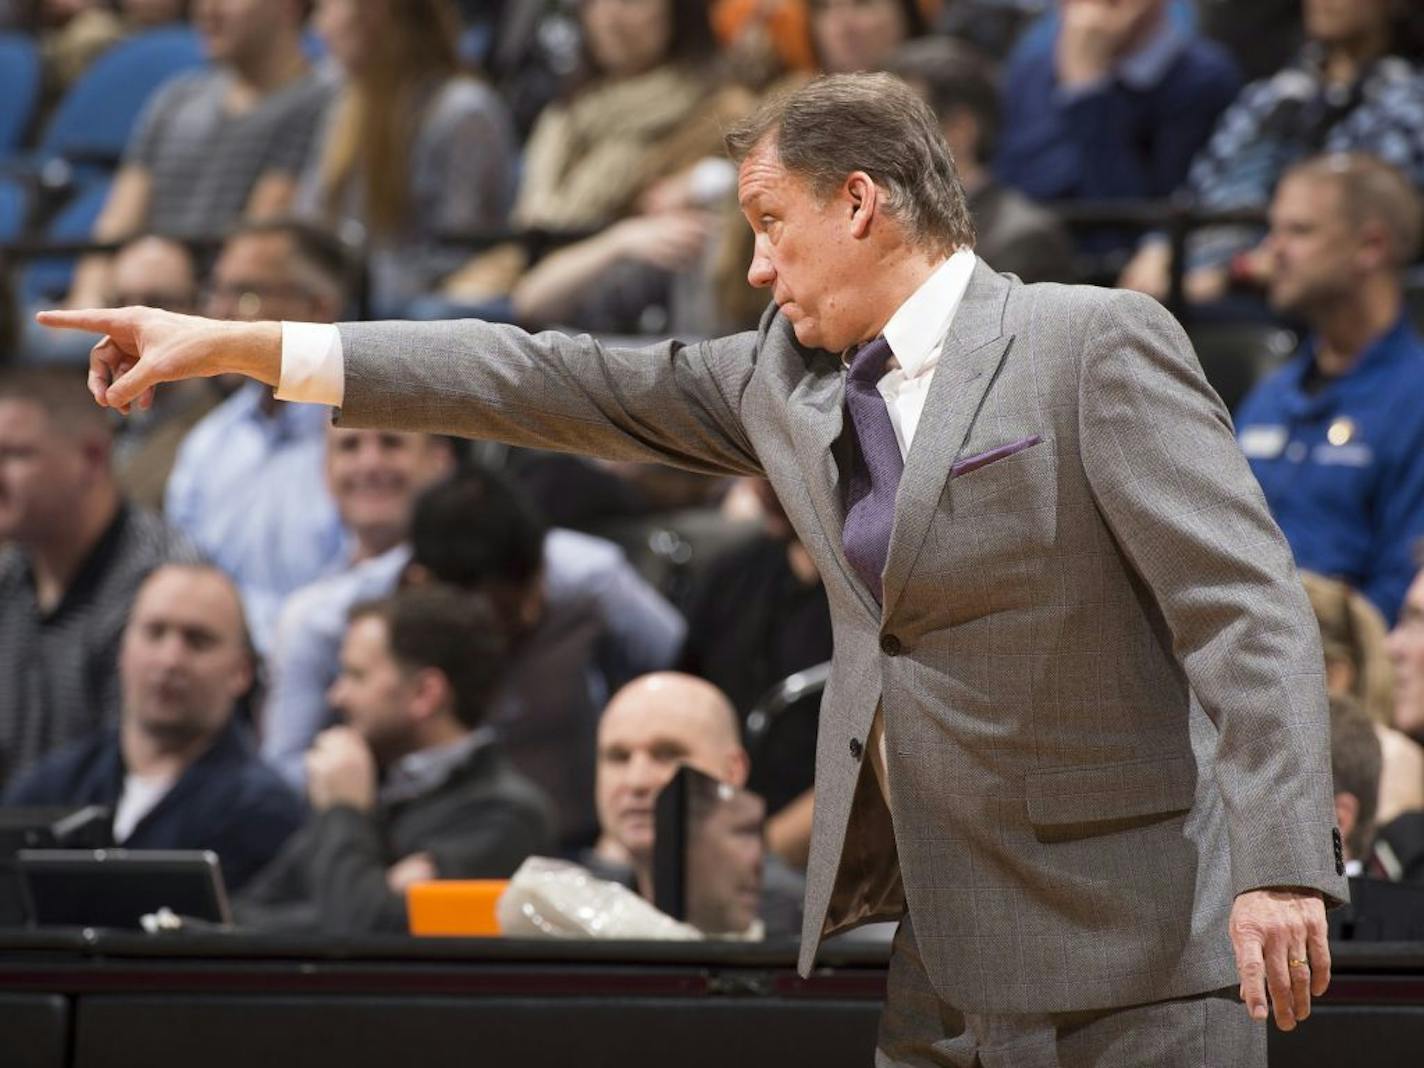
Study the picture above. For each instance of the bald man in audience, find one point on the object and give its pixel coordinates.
(180, 771)
(651, 728)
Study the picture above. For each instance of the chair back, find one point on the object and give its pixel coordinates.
(780, 736)
(14, 206)
(1237, 355)
(47, 278)
(96, 117)
(19, 88)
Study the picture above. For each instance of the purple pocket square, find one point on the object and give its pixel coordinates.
(983, 459)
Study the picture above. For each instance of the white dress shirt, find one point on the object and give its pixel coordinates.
(140, 797)
(312, 368)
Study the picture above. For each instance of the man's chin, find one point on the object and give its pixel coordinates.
(636, 837)
(1285, 303)
(808, 334)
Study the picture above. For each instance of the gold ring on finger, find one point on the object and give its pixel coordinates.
(1301, 961)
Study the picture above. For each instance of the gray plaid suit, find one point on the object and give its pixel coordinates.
(1101, 681)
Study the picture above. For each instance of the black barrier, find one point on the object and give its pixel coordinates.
(73, 1000)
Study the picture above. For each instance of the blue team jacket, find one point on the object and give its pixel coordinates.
(1343, 468)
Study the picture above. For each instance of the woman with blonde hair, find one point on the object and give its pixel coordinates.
(413, 150)
(631, 116)
(1357, 665)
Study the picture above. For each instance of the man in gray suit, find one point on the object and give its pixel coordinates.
(1075, 732)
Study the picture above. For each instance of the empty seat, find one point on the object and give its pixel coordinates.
(1237, 355)
(94, 120)
(19, 88)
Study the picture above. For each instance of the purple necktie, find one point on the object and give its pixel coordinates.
(875, 472)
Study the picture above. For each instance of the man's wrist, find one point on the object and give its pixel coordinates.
(255, 350)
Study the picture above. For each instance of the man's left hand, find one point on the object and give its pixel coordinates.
(1281, 946)
(341, 771)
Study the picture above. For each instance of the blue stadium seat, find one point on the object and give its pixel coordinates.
(19, 88)
(93, 122)
(14, 207)
(47, 280)
(476, 42)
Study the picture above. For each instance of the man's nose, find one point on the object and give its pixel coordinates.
(170, 650)
(761, 274)
(643, 775)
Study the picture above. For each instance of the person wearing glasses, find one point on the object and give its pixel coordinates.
(276, 533)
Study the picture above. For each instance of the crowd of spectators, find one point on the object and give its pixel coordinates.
(348, 661)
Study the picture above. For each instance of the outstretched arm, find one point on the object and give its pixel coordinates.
(672, 403)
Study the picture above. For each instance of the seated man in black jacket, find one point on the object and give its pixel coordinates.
(179, 772)
(411, 787)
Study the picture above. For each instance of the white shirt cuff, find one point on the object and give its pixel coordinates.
(313, 366)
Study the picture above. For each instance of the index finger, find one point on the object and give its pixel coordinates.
(89, 320)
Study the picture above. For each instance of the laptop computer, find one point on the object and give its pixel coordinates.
(708, 852)
(117, 887)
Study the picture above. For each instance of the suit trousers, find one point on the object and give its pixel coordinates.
(920, 1030)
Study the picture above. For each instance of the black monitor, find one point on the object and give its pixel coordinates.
(1380, 911)
(43, 828)
(116, 887)
(708, 853)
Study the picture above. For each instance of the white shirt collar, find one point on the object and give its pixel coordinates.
(917, 329)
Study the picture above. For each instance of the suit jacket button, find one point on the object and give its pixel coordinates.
(856, 748)
(890, 645)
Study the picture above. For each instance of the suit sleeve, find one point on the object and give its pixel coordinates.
(1167, 475)
(672, 403)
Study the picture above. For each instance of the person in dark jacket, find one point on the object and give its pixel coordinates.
(179, 772)
(1112, 105)
(411, 786)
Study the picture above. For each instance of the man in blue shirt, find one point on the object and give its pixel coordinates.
(1336, 437)
(275, 533)
(1112, 105)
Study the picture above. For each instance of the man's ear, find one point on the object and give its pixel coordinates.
(738, 768)
(863, 196)
(1375, 251)
(431, 693)
(97, 451)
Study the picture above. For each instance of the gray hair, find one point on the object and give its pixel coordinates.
(873, 123)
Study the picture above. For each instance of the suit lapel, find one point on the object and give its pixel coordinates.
(817, 407)
(972, 352)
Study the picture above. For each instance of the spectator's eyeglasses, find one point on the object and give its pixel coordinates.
(174, 302)
(247, 299)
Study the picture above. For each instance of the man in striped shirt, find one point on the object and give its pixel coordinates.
(72, 555)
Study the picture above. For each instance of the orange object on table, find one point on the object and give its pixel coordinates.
(454, 907)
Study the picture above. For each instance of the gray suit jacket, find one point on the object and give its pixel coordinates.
(1101, 680)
